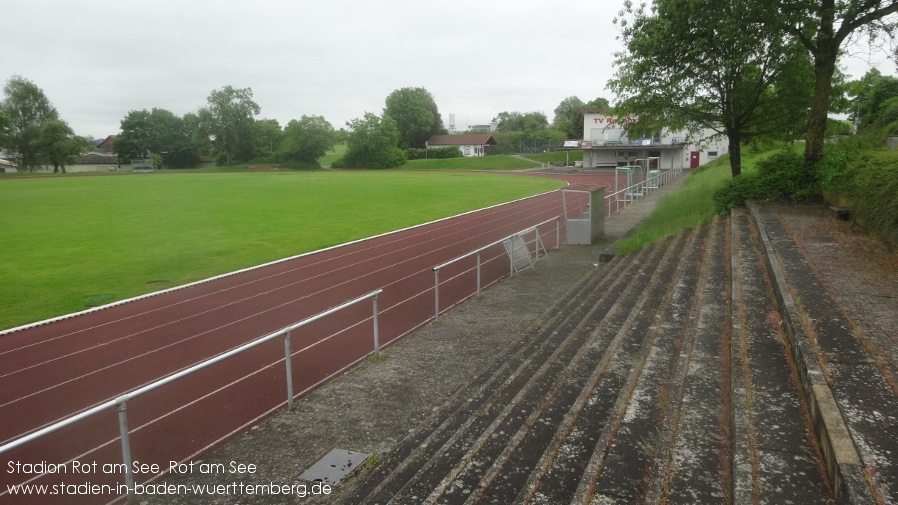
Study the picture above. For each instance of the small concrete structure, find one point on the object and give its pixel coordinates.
(590, 225)
(334, 466)
(7, 167)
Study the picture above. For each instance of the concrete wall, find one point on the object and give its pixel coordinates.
(585, 230)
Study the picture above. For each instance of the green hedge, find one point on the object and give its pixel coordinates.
(781, 175)
(434, 153)
(858, 168)
(872, 191)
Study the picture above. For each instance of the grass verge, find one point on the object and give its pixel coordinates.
(690, 205)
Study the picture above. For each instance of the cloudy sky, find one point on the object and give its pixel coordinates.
(96, 61)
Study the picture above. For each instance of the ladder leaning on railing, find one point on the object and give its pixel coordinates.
(477, 253)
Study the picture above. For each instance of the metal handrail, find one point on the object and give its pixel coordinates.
(436, 269)
(663, 177)
(121, 401)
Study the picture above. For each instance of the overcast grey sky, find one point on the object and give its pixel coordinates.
(96, 61)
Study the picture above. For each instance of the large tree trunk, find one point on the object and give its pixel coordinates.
(735, 144)
(825, 51)
(824, 67)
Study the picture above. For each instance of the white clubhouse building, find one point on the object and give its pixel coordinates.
(606, 145)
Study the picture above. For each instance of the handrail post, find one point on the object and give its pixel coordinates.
(535, 245)
(376, 339)
(436, 293)
(289, 365)
(557, 233)
(478, 273)
(511, 259)
(126, 447)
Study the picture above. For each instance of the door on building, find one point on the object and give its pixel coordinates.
(693, 159)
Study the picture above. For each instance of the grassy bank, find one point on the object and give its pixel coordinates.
(557, 156)
(692, 204)
(73, 242)
(332, 156)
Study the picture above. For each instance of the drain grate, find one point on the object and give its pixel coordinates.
(449, 334)
(334, 466)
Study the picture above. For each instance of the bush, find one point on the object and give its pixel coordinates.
(157, 160)
(372, 144)
(736, 192)
(299, 165)
(888, 112)
(784, 175)
(434, 153)
(390, 158)
(836, 127)
(779, 176)
(415, 153)
(871, 184)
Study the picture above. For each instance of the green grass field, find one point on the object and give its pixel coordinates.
(69, 243)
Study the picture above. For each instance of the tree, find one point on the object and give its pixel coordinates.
(416, 115)
(887, 117)
(137, 138)
(199, 138)
(158, 132)
(569, 116)
(342, 136)
(870, 94)
(306, 140)
(28, 107)
(529, 122)
(598, 103)
(733, 73)
(267, 137)
(229, 118)
(823, 27)
(56, 144)
(5, 130)
(372, 143)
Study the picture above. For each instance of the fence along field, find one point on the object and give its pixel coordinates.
(70, 243)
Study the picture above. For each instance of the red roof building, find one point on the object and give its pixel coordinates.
(470, 145)
(106, 145)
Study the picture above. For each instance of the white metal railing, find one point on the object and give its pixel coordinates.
(616, 201)
(477, 253)
(121, 401)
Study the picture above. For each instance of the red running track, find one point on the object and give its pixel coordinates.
(52, 371)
